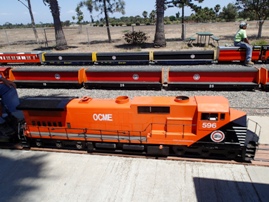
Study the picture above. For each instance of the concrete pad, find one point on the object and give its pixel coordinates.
(263, 121)
(42, 176)
(260, 178)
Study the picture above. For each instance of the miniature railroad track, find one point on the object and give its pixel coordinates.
(261, 157)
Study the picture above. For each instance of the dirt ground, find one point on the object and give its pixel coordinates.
(94, 39)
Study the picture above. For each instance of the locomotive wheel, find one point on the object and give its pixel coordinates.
(79, 145)
(38, 143)
(179, 150)
(205, 153)
(90, 147)
(59, 144)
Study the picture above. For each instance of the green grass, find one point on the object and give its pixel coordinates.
(260, 42)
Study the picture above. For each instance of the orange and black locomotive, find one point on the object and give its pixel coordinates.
(204, 126)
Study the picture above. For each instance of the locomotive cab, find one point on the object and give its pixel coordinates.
(212, 114)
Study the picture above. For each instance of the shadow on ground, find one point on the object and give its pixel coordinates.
(134, 46)
(18, 174)
(99, 42)
(225, 190)
(50, 48)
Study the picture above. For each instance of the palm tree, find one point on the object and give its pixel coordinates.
(159, 39)
(61, 43)
(145, 15)
(217, 9)
(181, 4)
(152, 16)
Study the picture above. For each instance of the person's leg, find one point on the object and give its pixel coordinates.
(248, 53)
(248, 50)
(10, 100)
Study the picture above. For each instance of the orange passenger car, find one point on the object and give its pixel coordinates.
(159, 126)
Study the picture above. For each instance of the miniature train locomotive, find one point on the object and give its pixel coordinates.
(203, 126)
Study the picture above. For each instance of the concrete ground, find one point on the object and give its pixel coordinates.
(263, 121)
(43, 176)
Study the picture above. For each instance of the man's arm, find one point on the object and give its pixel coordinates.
(246, 40)
(7, 82)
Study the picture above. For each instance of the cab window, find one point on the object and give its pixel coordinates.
(209, 116)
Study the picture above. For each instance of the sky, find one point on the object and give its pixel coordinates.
(14, 12)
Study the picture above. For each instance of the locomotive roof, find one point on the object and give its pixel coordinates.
(212, 104)
(160, 101)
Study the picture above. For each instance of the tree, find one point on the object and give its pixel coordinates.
(204, 15)
(217, 9)
(159, 39)
(152, 16)
(79, 16)
(260, 7)
(29, 7)
(106, 7)
(181, 4)
(145, 14)
(61, 43)
(229, 13)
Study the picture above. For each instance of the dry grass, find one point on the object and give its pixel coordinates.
(94, 39)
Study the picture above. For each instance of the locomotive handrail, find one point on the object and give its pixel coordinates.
(257, 126)
(127, 133)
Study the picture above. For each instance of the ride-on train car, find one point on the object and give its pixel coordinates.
(203, 126)
(190, 57)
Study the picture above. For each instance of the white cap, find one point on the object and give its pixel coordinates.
(242, 24)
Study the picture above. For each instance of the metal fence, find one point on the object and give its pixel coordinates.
(89, 35)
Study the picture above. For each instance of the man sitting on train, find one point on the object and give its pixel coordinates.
(9, 101)
(241, 40)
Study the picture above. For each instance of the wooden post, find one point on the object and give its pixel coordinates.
(88, 36)
(46, 40)
(7, 37)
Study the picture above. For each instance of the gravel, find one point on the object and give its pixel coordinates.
(253, 102)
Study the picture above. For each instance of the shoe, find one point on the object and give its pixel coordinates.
(250, 63)
(6, 130)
